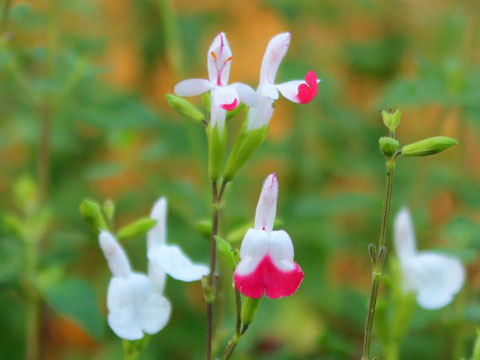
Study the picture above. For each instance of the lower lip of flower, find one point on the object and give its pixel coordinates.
(308, 90)
(268, 279)
(230, 106)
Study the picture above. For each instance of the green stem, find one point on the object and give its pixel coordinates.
(211, 281)
(33, 305)
(238, 325)
(391, 351)
(377, 255)
(5, 11)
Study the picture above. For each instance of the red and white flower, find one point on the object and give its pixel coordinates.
(434, 278)
(266, 265)
(298, 91)
(135, 306)
(224, 97)
(164, 259)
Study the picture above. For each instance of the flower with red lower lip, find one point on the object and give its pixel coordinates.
(266, 265)
(224, 97)
(298, 91)
(432, 277)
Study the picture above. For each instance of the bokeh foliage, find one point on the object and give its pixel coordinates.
(99, 70)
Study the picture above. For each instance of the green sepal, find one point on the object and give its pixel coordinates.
(206, 100)
(132, 349)
(245, 146)
(249, 309)
(185, 108)
(217, 141)
(428, 146)
(92, 215)
(234, 112)
(137, 228)
(226, 253)
(392, 120)
(388, 146)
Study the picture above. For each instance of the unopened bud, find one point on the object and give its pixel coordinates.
(137, 228)
(388, 146)
(92, 215)
(226, 253)
(428, 146)
(185, 108)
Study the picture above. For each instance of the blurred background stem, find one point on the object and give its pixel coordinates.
(172, 36)
(4, 18)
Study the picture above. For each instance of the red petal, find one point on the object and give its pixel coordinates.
(270, 280)
(308, 91)
(230, 106)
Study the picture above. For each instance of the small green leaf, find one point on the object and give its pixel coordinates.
(137, 228)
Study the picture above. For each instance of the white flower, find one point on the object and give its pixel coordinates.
(224, 97)
(135, 307)
(267, 265)
(434, 278)
(168, 259)
(298, 91)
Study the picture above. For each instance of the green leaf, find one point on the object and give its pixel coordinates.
(76, 299)
(137, 228)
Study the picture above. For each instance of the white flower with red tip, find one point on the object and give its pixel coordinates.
(135, 306)
(266, 265)
(224, 97)
(433, 277)
(298, 91)
(167, 259)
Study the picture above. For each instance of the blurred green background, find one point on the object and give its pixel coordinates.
(82, 83)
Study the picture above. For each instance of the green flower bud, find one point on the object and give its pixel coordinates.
(137, 228)
(92, 215)
(246, 144)
(204, 227)
(428, 146)
(109, 209)
(249, 309)
(226, 253)
(392, 120)
(388, 146)
(217, 141)
(185, 108)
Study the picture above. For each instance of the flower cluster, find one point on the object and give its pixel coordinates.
(135, 301)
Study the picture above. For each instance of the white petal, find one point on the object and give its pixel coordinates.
(115, 255)
(217, 116)
(122, 318)
(192, 87)
(404, 236)
(247, 95)
(151, 308)
(276, 50)
(269, 90)
(267, 204)
(290, 89)
(124, 324)
(172, 260)
(157, 276)
(253, 250)
(158, 234)
(261, 114)
(436, 278)
(225, 96)
(219, 60)
(281, 250)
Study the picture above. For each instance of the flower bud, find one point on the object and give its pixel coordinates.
(249, 309)
(204, 227)
(226, 253)
(388, 146)
(428, 146)
(185, 108)
(217, 141)
(109, 209)
(137, 228)
(92, 215)
(392, 120)
(245, 146)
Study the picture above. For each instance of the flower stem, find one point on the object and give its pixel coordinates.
(377, 255)
(211, 281)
